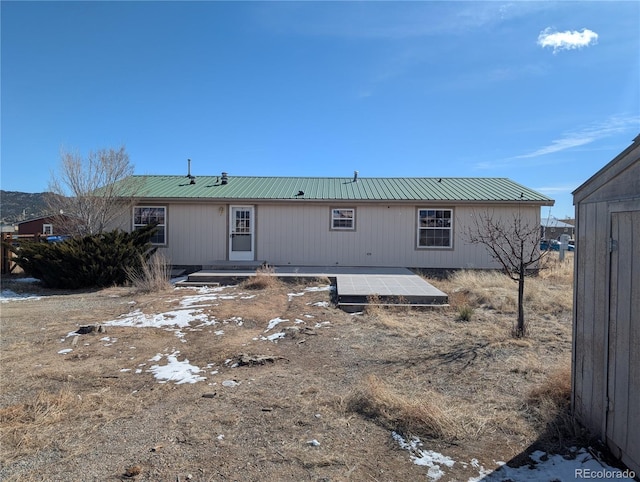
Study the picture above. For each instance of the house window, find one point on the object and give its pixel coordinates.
(47, 229)
(144, 215)
(435, 228)
(343, 218)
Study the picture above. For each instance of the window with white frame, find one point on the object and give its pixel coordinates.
(145, 215)
(47, 229)
(435, 228)
(343, 218)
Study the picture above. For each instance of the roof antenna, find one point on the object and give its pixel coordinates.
(355, 176)
(192, 179)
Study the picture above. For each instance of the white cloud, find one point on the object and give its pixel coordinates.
(586, 135)
(567, 40)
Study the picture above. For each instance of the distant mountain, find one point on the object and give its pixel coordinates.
(21, 206)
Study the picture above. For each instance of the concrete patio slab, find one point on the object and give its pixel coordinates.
(356, 286)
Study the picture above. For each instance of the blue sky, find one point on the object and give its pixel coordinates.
(544, 93)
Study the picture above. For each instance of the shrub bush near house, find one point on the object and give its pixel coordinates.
(90, 261)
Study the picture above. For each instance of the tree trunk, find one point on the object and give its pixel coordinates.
(520, 328)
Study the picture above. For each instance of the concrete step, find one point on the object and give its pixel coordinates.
(234, 265)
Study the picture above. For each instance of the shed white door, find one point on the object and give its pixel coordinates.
(241, 233)
(623, 384)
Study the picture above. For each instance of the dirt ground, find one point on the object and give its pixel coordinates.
(321, 407)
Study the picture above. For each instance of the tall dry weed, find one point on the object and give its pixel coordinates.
(264, 278)
(153, 275)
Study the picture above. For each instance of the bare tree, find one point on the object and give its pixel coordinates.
(92, 192)
(514, 243)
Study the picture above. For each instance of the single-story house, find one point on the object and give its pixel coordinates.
(606, 307)
(322, 221)
(553, 228)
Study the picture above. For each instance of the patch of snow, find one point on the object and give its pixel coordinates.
(321, 304)
(556, 467)
(319, 288)
(8, 295)
(428, 458)
(321, 324)
(274, 337)
(236, 319)
(65, 351)
(178, 318)
(230, 383)
(545, 466)
(218, 332)
(274, 322)
(177, 371)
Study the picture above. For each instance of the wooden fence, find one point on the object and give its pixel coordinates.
(6, 255)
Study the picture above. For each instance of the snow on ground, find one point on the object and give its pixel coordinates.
(544, 467)
(7, 295)
(175, 371)
(190, 316)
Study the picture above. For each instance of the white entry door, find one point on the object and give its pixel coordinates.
(241, 244)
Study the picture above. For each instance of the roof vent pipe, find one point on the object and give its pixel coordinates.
(224, 179)
(355, 176)
(192, 179)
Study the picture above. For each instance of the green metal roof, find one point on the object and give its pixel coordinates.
(470, 189)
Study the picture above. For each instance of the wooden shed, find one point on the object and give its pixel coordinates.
(606, 313)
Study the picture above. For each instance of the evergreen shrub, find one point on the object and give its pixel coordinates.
(91, 261)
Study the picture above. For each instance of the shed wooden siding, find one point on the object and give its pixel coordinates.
(300, 234)
(591, 307)
(606, 326)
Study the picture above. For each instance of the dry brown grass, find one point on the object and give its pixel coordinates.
(468, 390)
(52, 417)
(429, 414)
(550, 292)
(549, 407)
(264, 278)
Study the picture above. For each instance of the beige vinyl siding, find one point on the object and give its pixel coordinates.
(301, 234)
(196, 233)
(385, 235)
